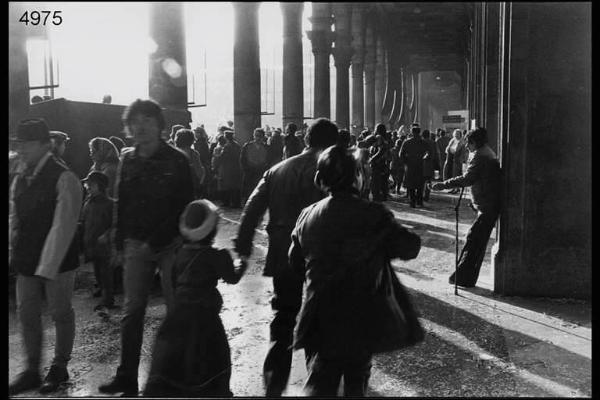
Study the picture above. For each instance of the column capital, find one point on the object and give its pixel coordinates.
(321, 41)
(342, 56)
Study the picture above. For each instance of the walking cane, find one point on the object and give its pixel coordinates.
(462, 189)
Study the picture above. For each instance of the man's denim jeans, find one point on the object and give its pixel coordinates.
(139, 264)
(30, 294)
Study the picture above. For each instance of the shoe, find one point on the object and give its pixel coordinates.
(55, 377)
(451, 281)
(25, 381)
(128, 386)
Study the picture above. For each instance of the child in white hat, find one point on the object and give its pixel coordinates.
(191, 356)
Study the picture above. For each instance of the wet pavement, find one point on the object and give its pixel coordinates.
(478, 344)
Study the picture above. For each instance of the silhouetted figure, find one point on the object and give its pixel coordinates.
(412, 153)
(44, 204)
(154, 184)
(191, 356)
(484, 176)
(343, 245)
(228, 172)
(284, 190)
(253, 161)
(291, 144)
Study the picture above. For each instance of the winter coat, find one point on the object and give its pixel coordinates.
(191, 348)
(484, 176)
(341, 244)
(275, 149)
(227, 167)
(198, 171)
(430, 158)
(201, 146)
(96, 220)
(441, 143)
(254, 156)
(108, 168)
(412, 152)
(458, 153)
(291, 145)
(396, 164)
(285, 189)
(151, 195)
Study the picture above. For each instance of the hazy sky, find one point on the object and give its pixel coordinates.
(102, 48)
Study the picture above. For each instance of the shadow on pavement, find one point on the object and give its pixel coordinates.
(438, 367)
(574, 311)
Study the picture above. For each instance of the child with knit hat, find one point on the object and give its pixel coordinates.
(191, 356)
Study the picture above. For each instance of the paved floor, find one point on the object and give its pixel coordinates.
(477, 343)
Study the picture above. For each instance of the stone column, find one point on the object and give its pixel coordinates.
(379, 80)
(321, 38)
(293, 90)
(545, 246)
(168, 77)
(342, 53)
(492, 75)
(370, 61)
(246, 70)
(358, 47)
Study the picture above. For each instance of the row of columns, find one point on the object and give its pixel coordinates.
(354, 43)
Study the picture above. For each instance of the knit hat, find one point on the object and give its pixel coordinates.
(198, 219)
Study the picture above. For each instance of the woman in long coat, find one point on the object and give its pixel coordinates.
(105, 157)
(456, 153)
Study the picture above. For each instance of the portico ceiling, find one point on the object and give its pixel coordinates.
(428, 33)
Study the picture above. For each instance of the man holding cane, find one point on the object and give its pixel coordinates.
(484, 177)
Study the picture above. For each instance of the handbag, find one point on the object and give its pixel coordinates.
(394, 321)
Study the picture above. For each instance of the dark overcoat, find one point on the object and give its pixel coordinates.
(341, 244)
(229, 172)
(412, 152)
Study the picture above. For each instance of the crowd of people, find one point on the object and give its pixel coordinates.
(149, 206)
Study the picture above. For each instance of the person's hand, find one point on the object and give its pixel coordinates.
(438, 186)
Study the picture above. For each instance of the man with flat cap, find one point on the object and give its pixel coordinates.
(45, 201)
(58, 140)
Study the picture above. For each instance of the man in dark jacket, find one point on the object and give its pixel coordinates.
(413, 151)
(253, 161)
(428, 164)
(342, 244)
(484, 176)
(291, 144)
(284, 190)
(154, 184)
(275, 148)
(44, 204)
